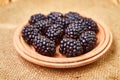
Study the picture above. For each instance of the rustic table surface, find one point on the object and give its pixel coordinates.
(16, 13)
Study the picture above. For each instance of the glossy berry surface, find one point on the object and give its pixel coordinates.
(73, 16)
(90, 24)
(70, 47)
(28, 34)
(42, 26)
(55, 33)
(88, 40)
(36, 17)
(44, 46)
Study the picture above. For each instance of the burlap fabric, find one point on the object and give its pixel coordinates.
(14, 67)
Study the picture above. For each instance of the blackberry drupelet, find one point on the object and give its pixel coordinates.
(70, 47)
(42, 26)
(28, 34)
(37, 17)
(90, 24)
(88, 40)
(44, 46)
(55, 33)
(73, 16)
(53, 16)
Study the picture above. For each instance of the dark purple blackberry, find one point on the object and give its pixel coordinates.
(70, 47)
(62, 21)
(74, 30)
(44, 46)
(55, 33)
(88, 40)
(28, 34)
(42, 26)
(73, 16)
(54, 16)
(37, 17)
(90, 24)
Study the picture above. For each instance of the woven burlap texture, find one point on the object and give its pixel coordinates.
(13, 15)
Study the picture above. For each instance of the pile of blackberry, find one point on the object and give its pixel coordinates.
(75, 34)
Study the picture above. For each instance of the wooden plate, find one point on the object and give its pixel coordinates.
(59, 61)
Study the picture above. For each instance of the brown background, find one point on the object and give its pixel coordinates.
(15, 14)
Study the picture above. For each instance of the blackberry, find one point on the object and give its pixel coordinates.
(88, 40)
(55, 33)
(42, 26)
(70, 47)
(54, 16)
(73, 16)
(90, 24)
(28, 34)
(62, 21)
(44, 46)
(74, 30)
(37, 17)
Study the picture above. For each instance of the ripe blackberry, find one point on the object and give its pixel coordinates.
(74, 30)
(54, 16)
(62, 21)
(73, 16)
(42, 26)
(88, 40)
(55, 33)
(90, 24)
(44, 46)
(37, 17)
(28, 34)
(70, 47)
